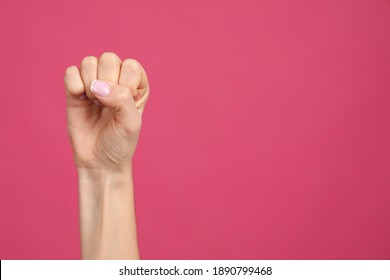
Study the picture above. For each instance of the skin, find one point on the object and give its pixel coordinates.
(104, 133)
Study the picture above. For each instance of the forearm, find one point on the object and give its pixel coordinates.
(107, 215)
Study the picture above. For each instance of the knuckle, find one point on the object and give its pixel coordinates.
(131, 63)
(72, 84)
(70, 70)
(122, 96)
(89, 60)
(109, 58)
(134, 125)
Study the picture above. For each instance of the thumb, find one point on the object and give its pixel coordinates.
(116, 97)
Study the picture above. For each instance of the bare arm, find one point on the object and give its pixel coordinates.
(107, 215)
(105, 102)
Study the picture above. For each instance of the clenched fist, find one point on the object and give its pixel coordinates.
(105, 101)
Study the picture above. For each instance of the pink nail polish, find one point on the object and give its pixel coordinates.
(100, 88)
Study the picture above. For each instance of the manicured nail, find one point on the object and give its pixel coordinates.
(100, 88)
(82, 97)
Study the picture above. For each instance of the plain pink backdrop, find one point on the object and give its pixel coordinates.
(266, 136)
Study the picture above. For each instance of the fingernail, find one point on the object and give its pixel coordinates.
(100, 88)
(82, 97)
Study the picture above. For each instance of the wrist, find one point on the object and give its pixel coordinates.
(102, 174)
(93, 181)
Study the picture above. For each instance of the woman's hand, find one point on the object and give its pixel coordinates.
(105, 101)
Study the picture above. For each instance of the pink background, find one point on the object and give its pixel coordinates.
(266, 135)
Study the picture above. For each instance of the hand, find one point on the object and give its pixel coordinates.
(104, 124)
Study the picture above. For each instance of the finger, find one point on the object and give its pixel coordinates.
(143, 91)
(88, 71)
(109, 67)
(144, 84)
(118, 98)
(130, 75)
(74, 84)
(134, 76)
